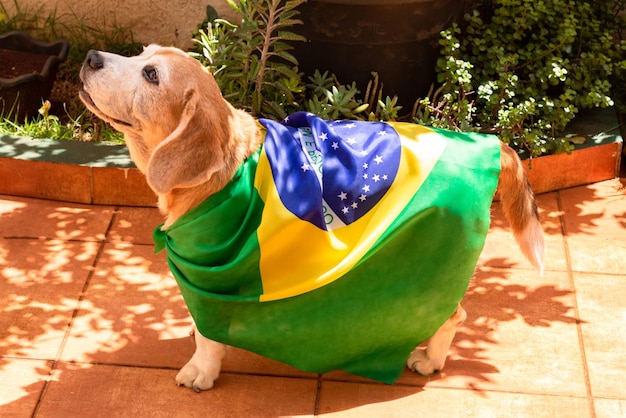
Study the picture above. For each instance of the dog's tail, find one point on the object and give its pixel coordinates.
(520, 209)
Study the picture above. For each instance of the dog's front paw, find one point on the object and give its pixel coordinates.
(195, 377)
(420, 362)
(201, 372)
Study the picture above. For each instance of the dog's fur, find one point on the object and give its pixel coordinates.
(189, 142)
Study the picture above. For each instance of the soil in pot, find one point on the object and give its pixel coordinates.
(16, 63)
(29, 69)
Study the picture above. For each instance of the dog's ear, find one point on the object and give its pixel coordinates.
(190, 154)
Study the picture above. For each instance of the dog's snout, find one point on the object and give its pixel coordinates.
(94, 60)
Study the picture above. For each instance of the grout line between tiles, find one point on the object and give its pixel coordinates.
(318, 396)
(570, 275)
(81, 298)
(463, 389)
(169, 368)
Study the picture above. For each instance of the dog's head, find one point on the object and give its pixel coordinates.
(176, 124)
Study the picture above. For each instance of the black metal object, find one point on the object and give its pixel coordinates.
(398, 39)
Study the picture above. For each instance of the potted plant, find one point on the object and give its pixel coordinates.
(397, 39)
(254, 64)
(27, 72)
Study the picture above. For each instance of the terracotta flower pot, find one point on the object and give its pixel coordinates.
(27, 72)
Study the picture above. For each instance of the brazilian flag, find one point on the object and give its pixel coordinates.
(338, 245)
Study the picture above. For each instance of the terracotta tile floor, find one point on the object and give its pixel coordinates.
(93, 325)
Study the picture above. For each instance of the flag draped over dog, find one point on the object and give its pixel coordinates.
(338, 245)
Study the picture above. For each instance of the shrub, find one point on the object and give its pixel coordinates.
(524, 69)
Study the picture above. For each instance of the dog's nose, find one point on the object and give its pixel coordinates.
(94, 60)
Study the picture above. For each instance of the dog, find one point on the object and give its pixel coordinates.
(191, 144)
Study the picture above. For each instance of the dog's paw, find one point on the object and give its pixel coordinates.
(420, 362)
(195, 377)
(203, 369)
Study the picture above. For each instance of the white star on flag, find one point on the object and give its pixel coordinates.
(345, 161)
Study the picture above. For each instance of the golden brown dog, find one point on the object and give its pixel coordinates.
(189, 142)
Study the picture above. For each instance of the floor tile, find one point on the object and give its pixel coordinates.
(135, 225)
(595, 225)
(242, 361)
(363, 400)
(21, 383)
(594, 208)
(105, 391)
(602, 309)
(520, 336)
(132, 313)
(518, 354)
(34, 218)
(601, 254)
(501, 249)
(610, 408)
(40, 284)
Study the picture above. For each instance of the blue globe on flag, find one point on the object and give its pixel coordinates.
(331, 173)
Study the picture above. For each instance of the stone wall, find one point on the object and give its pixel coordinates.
(167, 22)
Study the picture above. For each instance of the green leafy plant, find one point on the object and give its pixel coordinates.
(617, 19)
(46, 125)
(332, 100)
(252, 65)
(524, 69)
(251, 62)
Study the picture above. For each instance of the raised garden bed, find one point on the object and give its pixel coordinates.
(97, 173)
(81, 172)
(598, 159)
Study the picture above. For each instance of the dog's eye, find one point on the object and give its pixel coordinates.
(150, 73)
